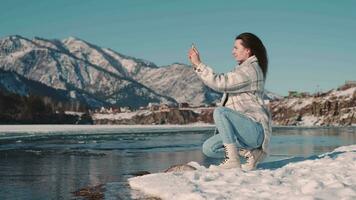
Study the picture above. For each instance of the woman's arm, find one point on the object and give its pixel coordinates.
(228, 82)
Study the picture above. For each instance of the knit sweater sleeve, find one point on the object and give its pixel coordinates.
(227, 82)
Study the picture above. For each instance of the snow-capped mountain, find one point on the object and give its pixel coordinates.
(178, 81)
(75, 65)
(14, 83)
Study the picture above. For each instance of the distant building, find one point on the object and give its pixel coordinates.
(293, 94)
(304, 94)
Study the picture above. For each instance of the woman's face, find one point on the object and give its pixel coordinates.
(240, 52)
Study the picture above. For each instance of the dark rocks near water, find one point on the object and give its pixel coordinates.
(140, 173)
(97, 192)
(91, 193)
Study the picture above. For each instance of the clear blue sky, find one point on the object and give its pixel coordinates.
(311, 44)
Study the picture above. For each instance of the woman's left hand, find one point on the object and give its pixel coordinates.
(193, 56)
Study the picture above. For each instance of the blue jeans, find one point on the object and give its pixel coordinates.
(233, 127)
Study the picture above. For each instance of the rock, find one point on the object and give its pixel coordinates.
(92, 193)
(173, 168)
(180, 168)
(140, 173)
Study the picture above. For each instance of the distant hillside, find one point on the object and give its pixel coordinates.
(335, 107)
(23, 101)
(16, 109)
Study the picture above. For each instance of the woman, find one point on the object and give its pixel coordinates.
(242, 120)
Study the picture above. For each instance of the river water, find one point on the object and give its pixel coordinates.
(53, 166)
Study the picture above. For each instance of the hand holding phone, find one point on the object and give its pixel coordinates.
(194, 55)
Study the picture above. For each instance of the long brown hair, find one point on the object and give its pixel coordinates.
(254, 43)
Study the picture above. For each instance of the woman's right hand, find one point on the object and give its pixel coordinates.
(193, 56)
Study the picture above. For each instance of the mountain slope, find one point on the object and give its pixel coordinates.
(178, 81)
(75, 65)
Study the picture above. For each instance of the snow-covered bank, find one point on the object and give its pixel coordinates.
(327, 176)
(20, 131)
(336, 107)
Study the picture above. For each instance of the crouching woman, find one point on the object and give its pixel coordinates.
(243, 120)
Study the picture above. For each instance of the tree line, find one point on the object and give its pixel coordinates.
(34, 109)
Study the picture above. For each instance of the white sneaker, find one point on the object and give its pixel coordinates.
(253, 157)
(232, 159)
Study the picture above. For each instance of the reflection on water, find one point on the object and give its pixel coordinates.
(289, 142)
(53, 167)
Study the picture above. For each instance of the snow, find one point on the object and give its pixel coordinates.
(198, 110)
(308, 120)
(291, 102)
(72, 94)
(130, 115)
(73, 113)
(302, 103)
(43, 43)
(114, 116)
(123, 115)
(129, 64)
(345, 115)
(327, 176)
(348, 92)
(18, 54)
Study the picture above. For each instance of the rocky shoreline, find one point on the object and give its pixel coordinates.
(171, 116)
(333, 108)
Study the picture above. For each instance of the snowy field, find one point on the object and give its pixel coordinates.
(328, 176)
